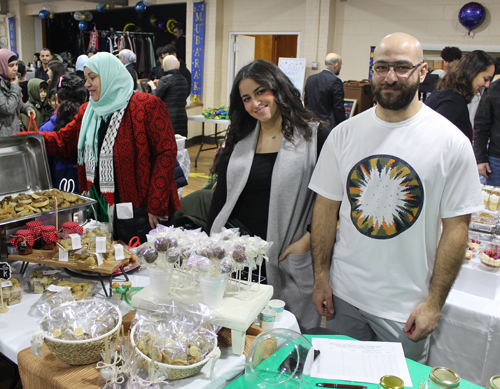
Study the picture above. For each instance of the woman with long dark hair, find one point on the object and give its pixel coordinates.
(70, 95)
(470, 76)
(271, 150)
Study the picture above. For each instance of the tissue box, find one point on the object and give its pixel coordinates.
(181, 142)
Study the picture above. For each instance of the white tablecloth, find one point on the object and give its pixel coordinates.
(19, 324)
(467, 339)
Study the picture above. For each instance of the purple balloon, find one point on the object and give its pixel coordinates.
(471, 15)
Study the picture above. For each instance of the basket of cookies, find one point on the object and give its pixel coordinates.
(75, 332)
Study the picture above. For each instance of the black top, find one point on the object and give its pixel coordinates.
(324, 95)
(454, 108)
(131, 69)
(252, 208)
(24, 89)
(487, 125)
(42, 74)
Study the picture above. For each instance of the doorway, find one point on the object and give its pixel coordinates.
(246, 47)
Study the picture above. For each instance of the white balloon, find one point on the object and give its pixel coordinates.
(100, 5)
(147, 3)
(89, 16)
(77, 15)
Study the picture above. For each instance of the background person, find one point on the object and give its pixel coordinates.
(11, 103)
(128, 58)
(45, 58)
(450, 55)
(324, 92)
(37, 92)
(80, 64)
(263, 172)
(181, 41)
(23, 82)
(463, 81)
(173, 90)
(171, 50)
(131, 130)
(392, 176)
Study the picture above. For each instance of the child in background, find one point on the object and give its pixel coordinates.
(69, 94)
(37, 92)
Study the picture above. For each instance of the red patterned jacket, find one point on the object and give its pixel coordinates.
(144, 154)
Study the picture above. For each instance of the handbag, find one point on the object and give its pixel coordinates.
(126, 229)
(32, 120)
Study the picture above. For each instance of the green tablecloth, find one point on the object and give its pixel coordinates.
(417, 372)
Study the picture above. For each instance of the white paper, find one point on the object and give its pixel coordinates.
(119, 254)
(124, 211)
(6, 284)
(50, 272)
(55, 288)
(63, 255)
(100, 244)
(76, 241)
(100, 261)
(352, 360)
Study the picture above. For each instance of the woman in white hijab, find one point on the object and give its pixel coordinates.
(80, 64)
(128, 58)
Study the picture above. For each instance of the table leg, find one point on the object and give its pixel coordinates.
(104, 286)
(238, 341)
(202, 142)
(24, 267)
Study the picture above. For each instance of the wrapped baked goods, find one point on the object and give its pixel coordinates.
(40, 279)
(12, 290)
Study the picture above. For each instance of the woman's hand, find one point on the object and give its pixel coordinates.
(299, 247)
(153, 221)
(484, 169)
(31, 112)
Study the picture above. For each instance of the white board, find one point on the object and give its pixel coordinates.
(295, 69)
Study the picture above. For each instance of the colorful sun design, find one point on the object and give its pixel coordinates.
(386, 196)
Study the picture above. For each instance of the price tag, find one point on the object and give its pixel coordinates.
(6, 284)
(76, 241)
(63, 255)
(119, 255)
(100, 261)
(100, 244)
(50, 272)
(55, 288)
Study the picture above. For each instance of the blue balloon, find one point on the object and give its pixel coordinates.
(43, 14)
(83, 25)
(140, 7)
(471, 15)
(101, 8)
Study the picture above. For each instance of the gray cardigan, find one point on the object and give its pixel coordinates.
(10, 107)
(290, 211)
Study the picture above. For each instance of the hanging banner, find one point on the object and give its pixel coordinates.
(197, 55)
(12, 34)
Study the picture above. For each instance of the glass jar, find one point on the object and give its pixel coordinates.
(49, 237)
(69, 228)
(494, 382)
(35, 226)
(442, 378)
(24, 241)
(391, 382)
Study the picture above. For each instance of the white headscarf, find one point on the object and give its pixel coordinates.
(80, 62)
(127, 56)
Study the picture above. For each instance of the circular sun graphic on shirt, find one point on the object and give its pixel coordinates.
(386, 196)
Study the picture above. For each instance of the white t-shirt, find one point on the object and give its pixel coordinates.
(396, 181)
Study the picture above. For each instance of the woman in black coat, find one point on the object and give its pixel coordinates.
(173, 90)
(129, 58)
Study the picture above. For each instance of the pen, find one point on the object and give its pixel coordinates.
(340, 386)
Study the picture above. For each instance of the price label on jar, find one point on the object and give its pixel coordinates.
(6, 284)
(100, 244)
(63, 255)
(76, 241)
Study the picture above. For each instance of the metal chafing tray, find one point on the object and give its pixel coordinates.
(24, 169)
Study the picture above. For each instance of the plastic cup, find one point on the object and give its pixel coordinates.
(160, 280)
(212, 290)
(278, 306)
(267, 318)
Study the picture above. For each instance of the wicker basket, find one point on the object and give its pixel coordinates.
(82, 352)
(173, 372)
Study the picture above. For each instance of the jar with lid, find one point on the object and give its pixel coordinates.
(49, 238)
(391, 382)
(23, 241)
(36, 227)
(69, 228)
(494, 382)
(441, 378)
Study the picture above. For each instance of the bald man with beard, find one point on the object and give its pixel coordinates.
(401, 181)
(324, 92)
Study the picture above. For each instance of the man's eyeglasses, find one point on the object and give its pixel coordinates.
(401, 68)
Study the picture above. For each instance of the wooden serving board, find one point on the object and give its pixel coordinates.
(45, 257)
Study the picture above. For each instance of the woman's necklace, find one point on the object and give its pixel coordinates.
(274, 137)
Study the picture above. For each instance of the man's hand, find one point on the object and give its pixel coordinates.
(484, 169)
(422, 321)
(322, 298)
(156, 81)
(301, 246)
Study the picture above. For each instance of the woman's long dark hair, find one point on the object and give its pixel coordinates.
(287, 99)
(73, 94)
(58, 70)
(459, 78)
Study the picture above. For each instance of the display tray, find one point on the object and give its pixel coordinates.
(45, 257)
(127, 269)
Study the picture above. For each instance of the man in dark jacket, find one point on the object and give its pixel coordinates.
(157, 72)
(324, 92)
(171, 50)
(45, 57)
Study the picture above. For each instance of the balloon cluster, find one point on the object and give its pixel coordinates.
(471, 16)
(140, 6)
(100, 7)
(46, 13)
(218, 113)
(83, 19)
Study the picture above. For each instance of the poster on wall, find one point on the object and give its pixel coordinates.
(295, 69)
(197, 54)
(12, 34)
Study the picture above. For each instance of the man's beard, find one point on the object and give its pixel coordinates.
(395, 103)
